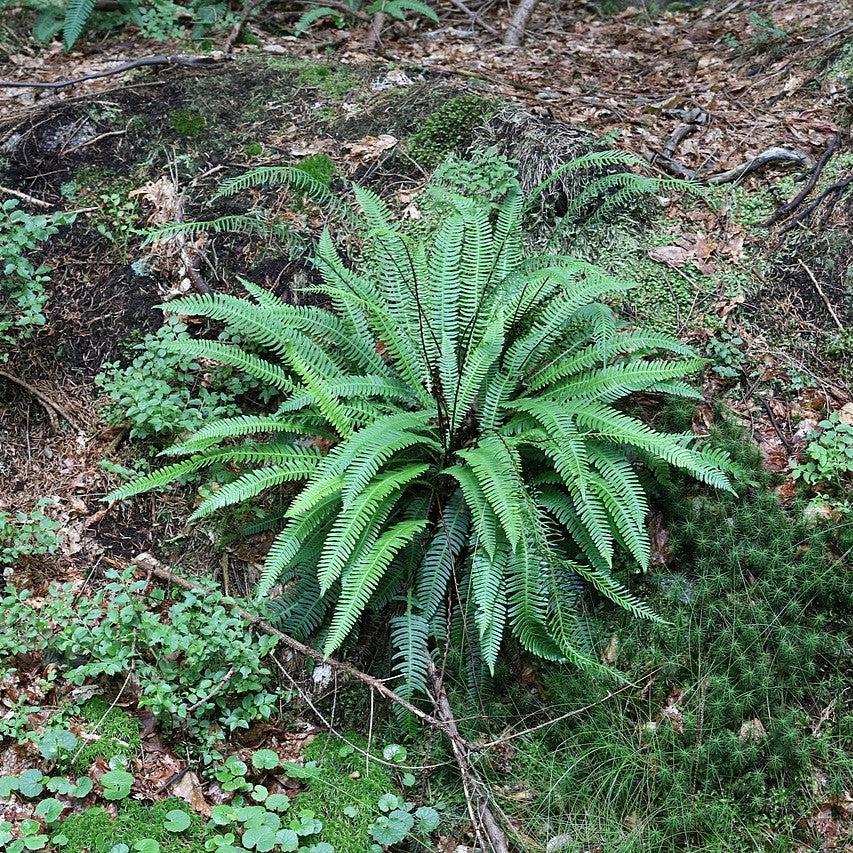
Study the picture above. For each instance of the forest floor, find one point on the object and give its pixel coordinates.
(695, 91)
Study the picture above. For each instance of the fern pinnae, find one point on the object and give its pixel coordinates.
(361, 580)
(77, 14)
(252, 483)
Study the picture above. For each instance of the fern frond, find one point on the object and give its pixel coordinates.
(361, 579)
(311, 16)
(301, 464)
(441, 554)
(409, 639)
(232, 224)
(77, 14)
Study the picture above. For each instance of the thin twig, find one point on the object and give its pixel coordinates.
(822, 295)
(144, 62)
(24, 197)
(329, 724)
(65, 152)
(217, 688)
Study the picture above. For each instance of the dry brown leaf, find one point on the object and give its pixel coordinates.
(371, 147)
(189, 790)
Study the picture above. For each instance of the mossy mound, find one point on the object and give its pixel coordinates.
(95, 831)
(108, 732)
(344, 783)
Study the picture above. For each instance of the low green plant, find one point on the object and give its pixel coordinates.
(23, 293)
(198, 669)
(828, 457)
(28, 534)
(156, 19)
(726, 354)
(477, 461)
(162, 392)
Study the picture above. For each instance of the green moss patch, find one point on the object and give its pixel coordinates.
(344, 783)
(95, 831)
(188, 123)
(115, 733)
(449, 127)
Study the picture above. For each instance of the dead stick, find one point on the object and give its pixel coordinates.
(24, 197)
(52, 408)
(801, 196)
(144, 62)
(300, 648)
(95, 139)
(822, 295)
(486, 826)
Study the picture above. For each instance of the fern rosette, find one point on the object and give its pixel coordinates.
(482, 459)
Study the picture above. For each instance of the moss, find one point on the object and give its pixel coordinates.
(449, 127)
(116, 735)
(343, 781)
(319, 166)
(333, 81)
(253, 149)
(188, 123)
(95, 831)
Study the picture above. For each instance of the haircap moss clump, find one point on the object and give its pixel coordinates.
(450, 126)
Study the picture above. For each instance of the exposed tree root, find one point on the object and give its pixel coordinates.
(52, 408)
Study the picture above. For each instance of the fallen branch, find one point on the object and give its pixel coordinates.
(53, 409)
(24, 197)
(766, 158)
(144, 62)
(147, 562)
(486, 827)
(93, 141)
(800, 197)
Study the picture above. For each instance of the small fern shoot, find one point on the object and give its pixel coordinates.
(480, 452)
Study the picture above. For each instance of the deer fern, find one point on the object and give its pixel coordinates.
(480, 449)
